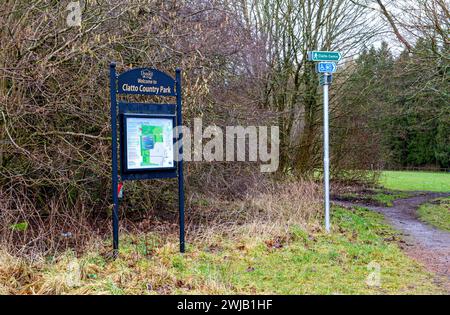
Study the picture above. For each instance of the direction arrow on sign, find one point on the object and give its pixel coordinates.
(326, 67)
(324, 56)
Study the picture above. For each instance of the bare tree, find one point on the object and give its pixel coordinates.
(290, 29)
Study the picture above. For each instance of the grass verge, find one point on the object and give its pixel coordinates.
(411, 181)
(377, 197)
(297, 262)
(436, 213)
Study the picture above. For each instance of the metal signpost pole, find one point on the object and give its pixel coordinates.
(326, 160)
(115, 197)
(325, 65)
(180, 160)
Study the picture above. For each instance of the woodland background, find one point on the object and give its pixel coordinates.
(244, 62)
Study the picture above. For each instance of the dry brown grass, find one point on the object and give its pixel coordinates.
(227, 241)
(17, 274)
(260, 215)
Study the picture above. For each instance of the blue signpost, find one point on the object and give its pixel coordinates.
(325, 66)
(147, 149)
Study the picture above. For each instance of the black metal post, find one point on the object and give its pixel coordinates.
(115, 212)
(180, 161)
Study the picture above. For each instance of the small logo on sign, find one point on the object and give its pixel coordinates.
(147, 74)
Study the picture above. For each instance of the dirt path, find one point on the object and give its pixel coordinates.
(422, 241)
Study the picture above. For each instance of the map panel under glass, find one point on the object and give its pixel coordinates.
(149, 142)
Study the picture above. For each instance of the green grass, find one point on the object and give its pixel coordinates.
(410, 181)
(437, 213)
(299, 262)
(387, 199)
(378, 196)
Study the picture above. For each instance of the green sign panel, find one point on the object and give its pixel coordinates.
(324, 56)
